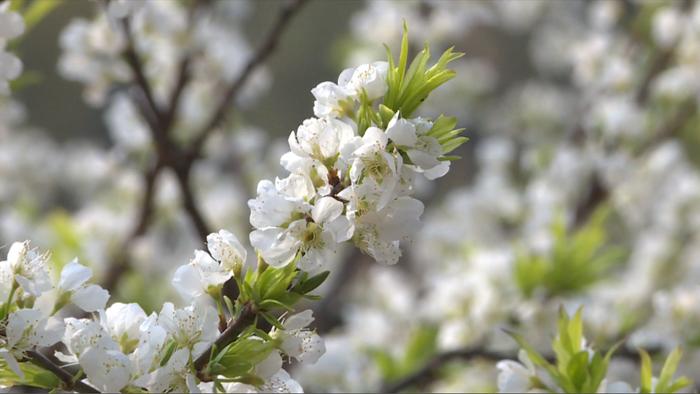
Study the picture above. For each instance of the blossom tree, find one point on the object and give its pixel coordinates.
(351, 179)
(564, 261)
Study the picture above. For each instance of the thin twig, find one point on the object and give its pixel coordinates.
(264, 51)
(44, 362)
(190, 203)
(687, 110)
(598, 194)
(661, 61)
(120, 264)
(183, 77)
(430, 369)
(154, 115)
(235, 328)
(161, 121)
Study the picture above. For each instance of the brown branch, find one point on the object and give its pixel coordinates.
(183, 77)
(120, 265)
(161, 122)
(687, 110)
(660, 62)
(189, 202)
(263, 52)
(151, 110)
(245, 318)
(44, 362)
(598, 194)
(430, 369)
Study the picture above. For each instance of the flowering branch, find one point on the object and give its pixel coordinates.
(70, 382)
(352, 172)
(230, 334)
(161, 122)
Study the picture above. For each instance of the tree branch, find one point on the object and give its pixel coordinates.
(161, 122)
(189, 202)
(598, 194)
(151, 112)
(235, 328)
(183, 77)
(264, 51)
(430, 369)
(44, 362)
(120, 264)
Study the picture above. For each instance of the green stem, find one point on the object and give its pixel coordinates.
(6, 307)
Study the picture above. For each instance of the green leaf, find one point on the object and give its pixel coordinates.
(668, 370)
(27, 78)
(16, 5)
(533, 354)
(420, 348)
(168, 353)
(386, 114)
(240, 357)
(34, 376)
(250, 379)
(274, 283)
(576, 329)
(37, 11)
(272, 320)
(577, 370)
(645, 373)
(598, 369)
(577, 259)
(386, 365)
(408, 88)
(679, 384)
(453, 144)
(270, 303)
(311, 283)
(229, 305)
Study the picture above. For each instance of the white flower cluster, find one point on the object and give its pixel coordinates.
(352, 173)
(90, 175)
(11, 26)
(346, 183)
(545, 147)
(26, 285)
(122, 347)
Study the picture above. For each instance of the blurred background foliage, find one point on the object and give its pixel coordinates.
(307, 55)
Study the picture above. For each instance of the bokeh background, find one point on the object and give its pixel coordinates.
(580, 185)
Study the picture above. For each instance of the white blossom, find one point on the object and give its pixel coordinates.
(296, 341)
(89, 298)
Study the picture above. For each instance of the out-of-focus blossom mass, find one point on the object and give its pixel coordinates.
(485, 196)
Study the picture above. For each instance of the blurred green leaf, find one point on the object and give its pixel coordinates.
(34, 376)
(37, 10)
(574, 262)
